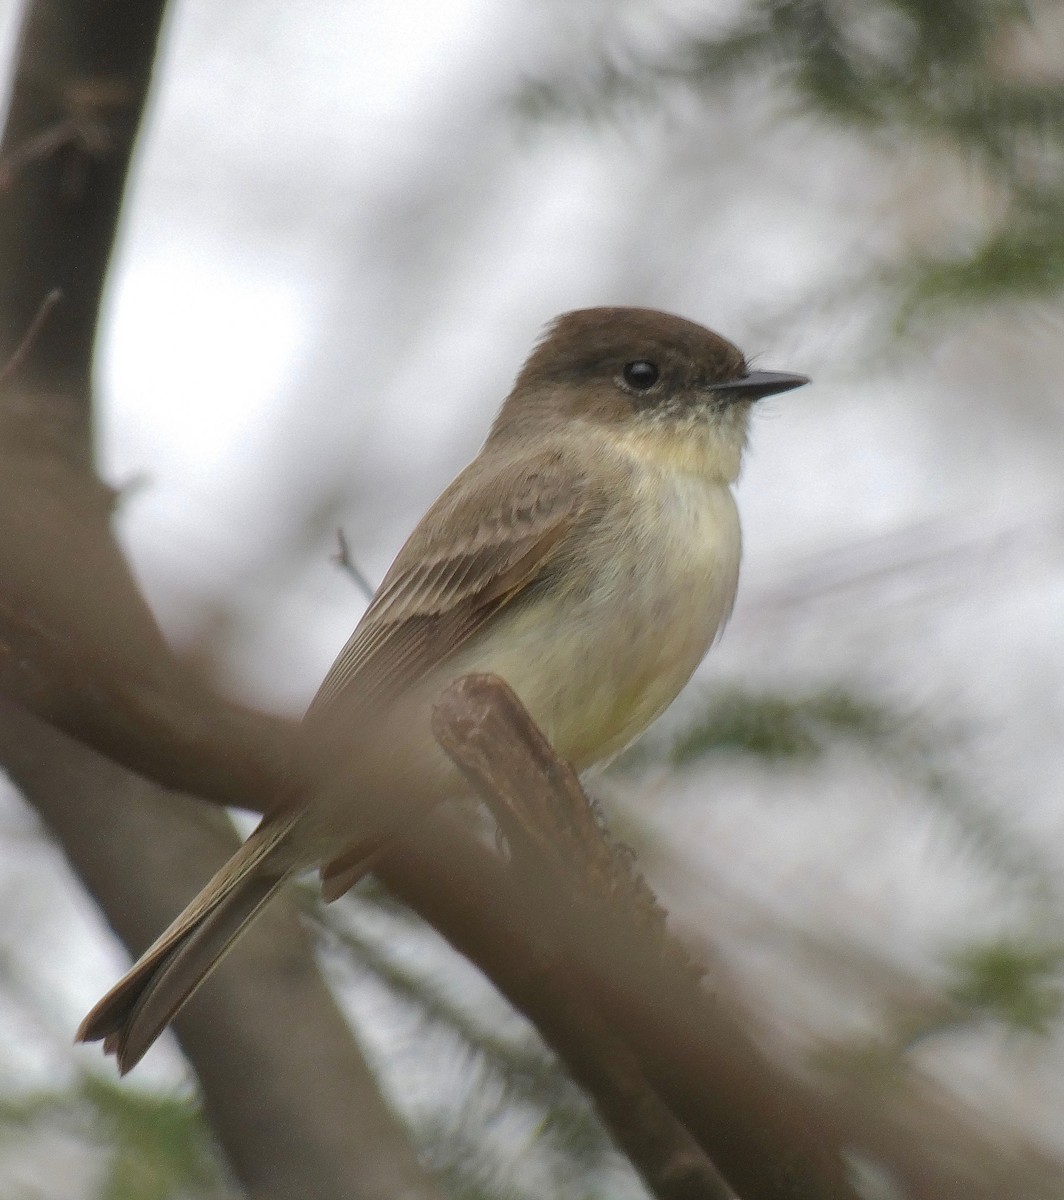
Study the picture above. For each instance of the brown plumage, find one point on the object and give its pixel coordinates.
(588, 555)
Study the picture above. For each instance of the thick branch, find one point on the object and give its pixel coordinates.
(756, 1124)
(82, 75)
(311, 1125)
(568, 871)
(79, 646)
(596, 952)
(70, 653)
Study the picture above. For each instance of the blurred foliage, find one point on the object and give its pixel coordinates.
(1015, 982)
(782, 728)
(157, 1146)
(779, 726)
(504, 1073)
(946, 77)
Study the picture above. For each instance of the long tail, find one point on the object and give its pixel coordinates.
(140, 1006)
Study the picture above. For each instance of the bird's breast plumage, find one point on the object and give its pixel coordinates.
(596, 663)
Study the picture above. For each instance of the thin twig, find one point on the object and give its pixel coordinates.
(26, 345)
(345, 562)
(41, 145)
(86, 129)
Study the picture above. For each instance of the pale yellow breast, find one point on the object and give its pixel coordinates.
(596, 665)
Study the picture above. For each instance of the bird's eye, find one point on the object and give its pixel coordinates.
(640, 374)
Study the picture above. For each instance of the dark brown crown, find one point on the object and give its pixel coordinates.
(592, 341)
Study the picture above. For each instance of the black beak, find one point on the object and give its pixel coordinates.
(756, 384)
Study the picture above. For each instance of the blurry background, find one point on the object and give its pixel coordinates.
(349, 222)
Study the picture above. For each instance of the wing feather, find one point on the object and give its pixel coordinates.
(487, 538)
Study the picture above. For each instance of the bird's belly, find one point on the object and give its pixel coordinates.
(595, 668)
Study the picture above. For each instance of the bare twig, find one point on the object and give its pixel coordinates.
(10, 368)
(91, 103)
(343, 559)
(48, 141)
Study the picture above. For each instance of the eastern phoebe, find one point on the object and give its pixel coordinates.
(588, 555)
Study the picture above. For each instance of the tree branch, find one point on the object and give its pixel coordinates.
(569, 871)
(312, 1126)
(79, 646)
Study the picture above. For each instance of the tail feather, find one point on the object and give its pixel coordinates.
(140, 1006)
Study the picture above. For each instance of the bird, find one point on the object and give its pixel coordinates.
(588, 556)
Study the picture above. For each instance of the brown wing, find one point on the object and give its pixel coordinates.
(491, 534)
